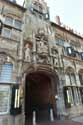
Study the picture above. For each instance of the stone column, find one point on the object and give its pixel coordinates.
(34, 49)
(60, 102)
(23, 101)
(20, 53)
(20, 63)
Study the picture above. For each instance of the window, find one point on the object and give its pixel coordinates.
(81, 55)
(72, 77)
(59, 42)
(9, 21)
(6, 72)
(81, 78)
(46, 16)
(17, 24)
(1, 25)
(15, 100)
(68, 96)
(67, 79)
(40, 10)
(6, 33)
(70, 51)
(4, 99)
(81, 91)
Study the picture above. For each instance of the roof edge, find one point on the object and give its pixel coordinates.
(15, 4)
(63, 28)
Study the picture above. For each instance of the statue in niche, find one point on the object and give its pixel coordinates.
(42, 42)
(42, 47)
(56, 62)
(27, 53)
(41, 31)
(54, 51)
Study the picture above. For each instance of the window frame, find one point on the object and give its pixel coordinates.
(6, 21)
(81, 78)
(1, 75)
(17, 21)
(9, 96)
(6, 29)
(13, 25)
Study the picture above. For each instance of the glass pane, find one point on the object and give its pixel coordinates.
(6, 73)
(17, 24)
(9, 21)
(71, 96)
(67, 79)
(61, 42)
(73, 79)
(6, 33)
(57, 41)
(81, 78)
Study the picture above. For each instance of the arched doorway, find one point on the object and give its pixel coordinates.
(40, 91)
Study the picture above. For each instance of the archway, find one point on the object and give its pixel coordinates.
(40, 91)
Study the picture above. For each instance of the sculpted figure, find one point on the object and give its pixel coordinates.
(56, 62)
(42, 47)
(27, 53)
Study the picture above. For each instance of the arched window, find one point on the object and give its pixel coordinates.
(70, 91)
(70, 76)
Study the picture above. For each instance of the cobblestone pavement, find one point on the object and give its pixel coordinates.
(78, 119)
(62, 122)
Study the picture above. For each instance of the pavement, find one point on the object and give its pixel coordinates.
(62, 122)
(78, 119)
(74, 121)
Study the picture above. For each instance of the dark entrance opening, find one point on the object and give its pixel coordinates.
(39, 97)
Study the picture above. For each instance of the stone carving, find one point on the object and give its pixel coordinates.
(4, 58)
(27, 53)
(42, 47)
(44, 60)
(54, 52)
(42, 42)
(56, 62)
